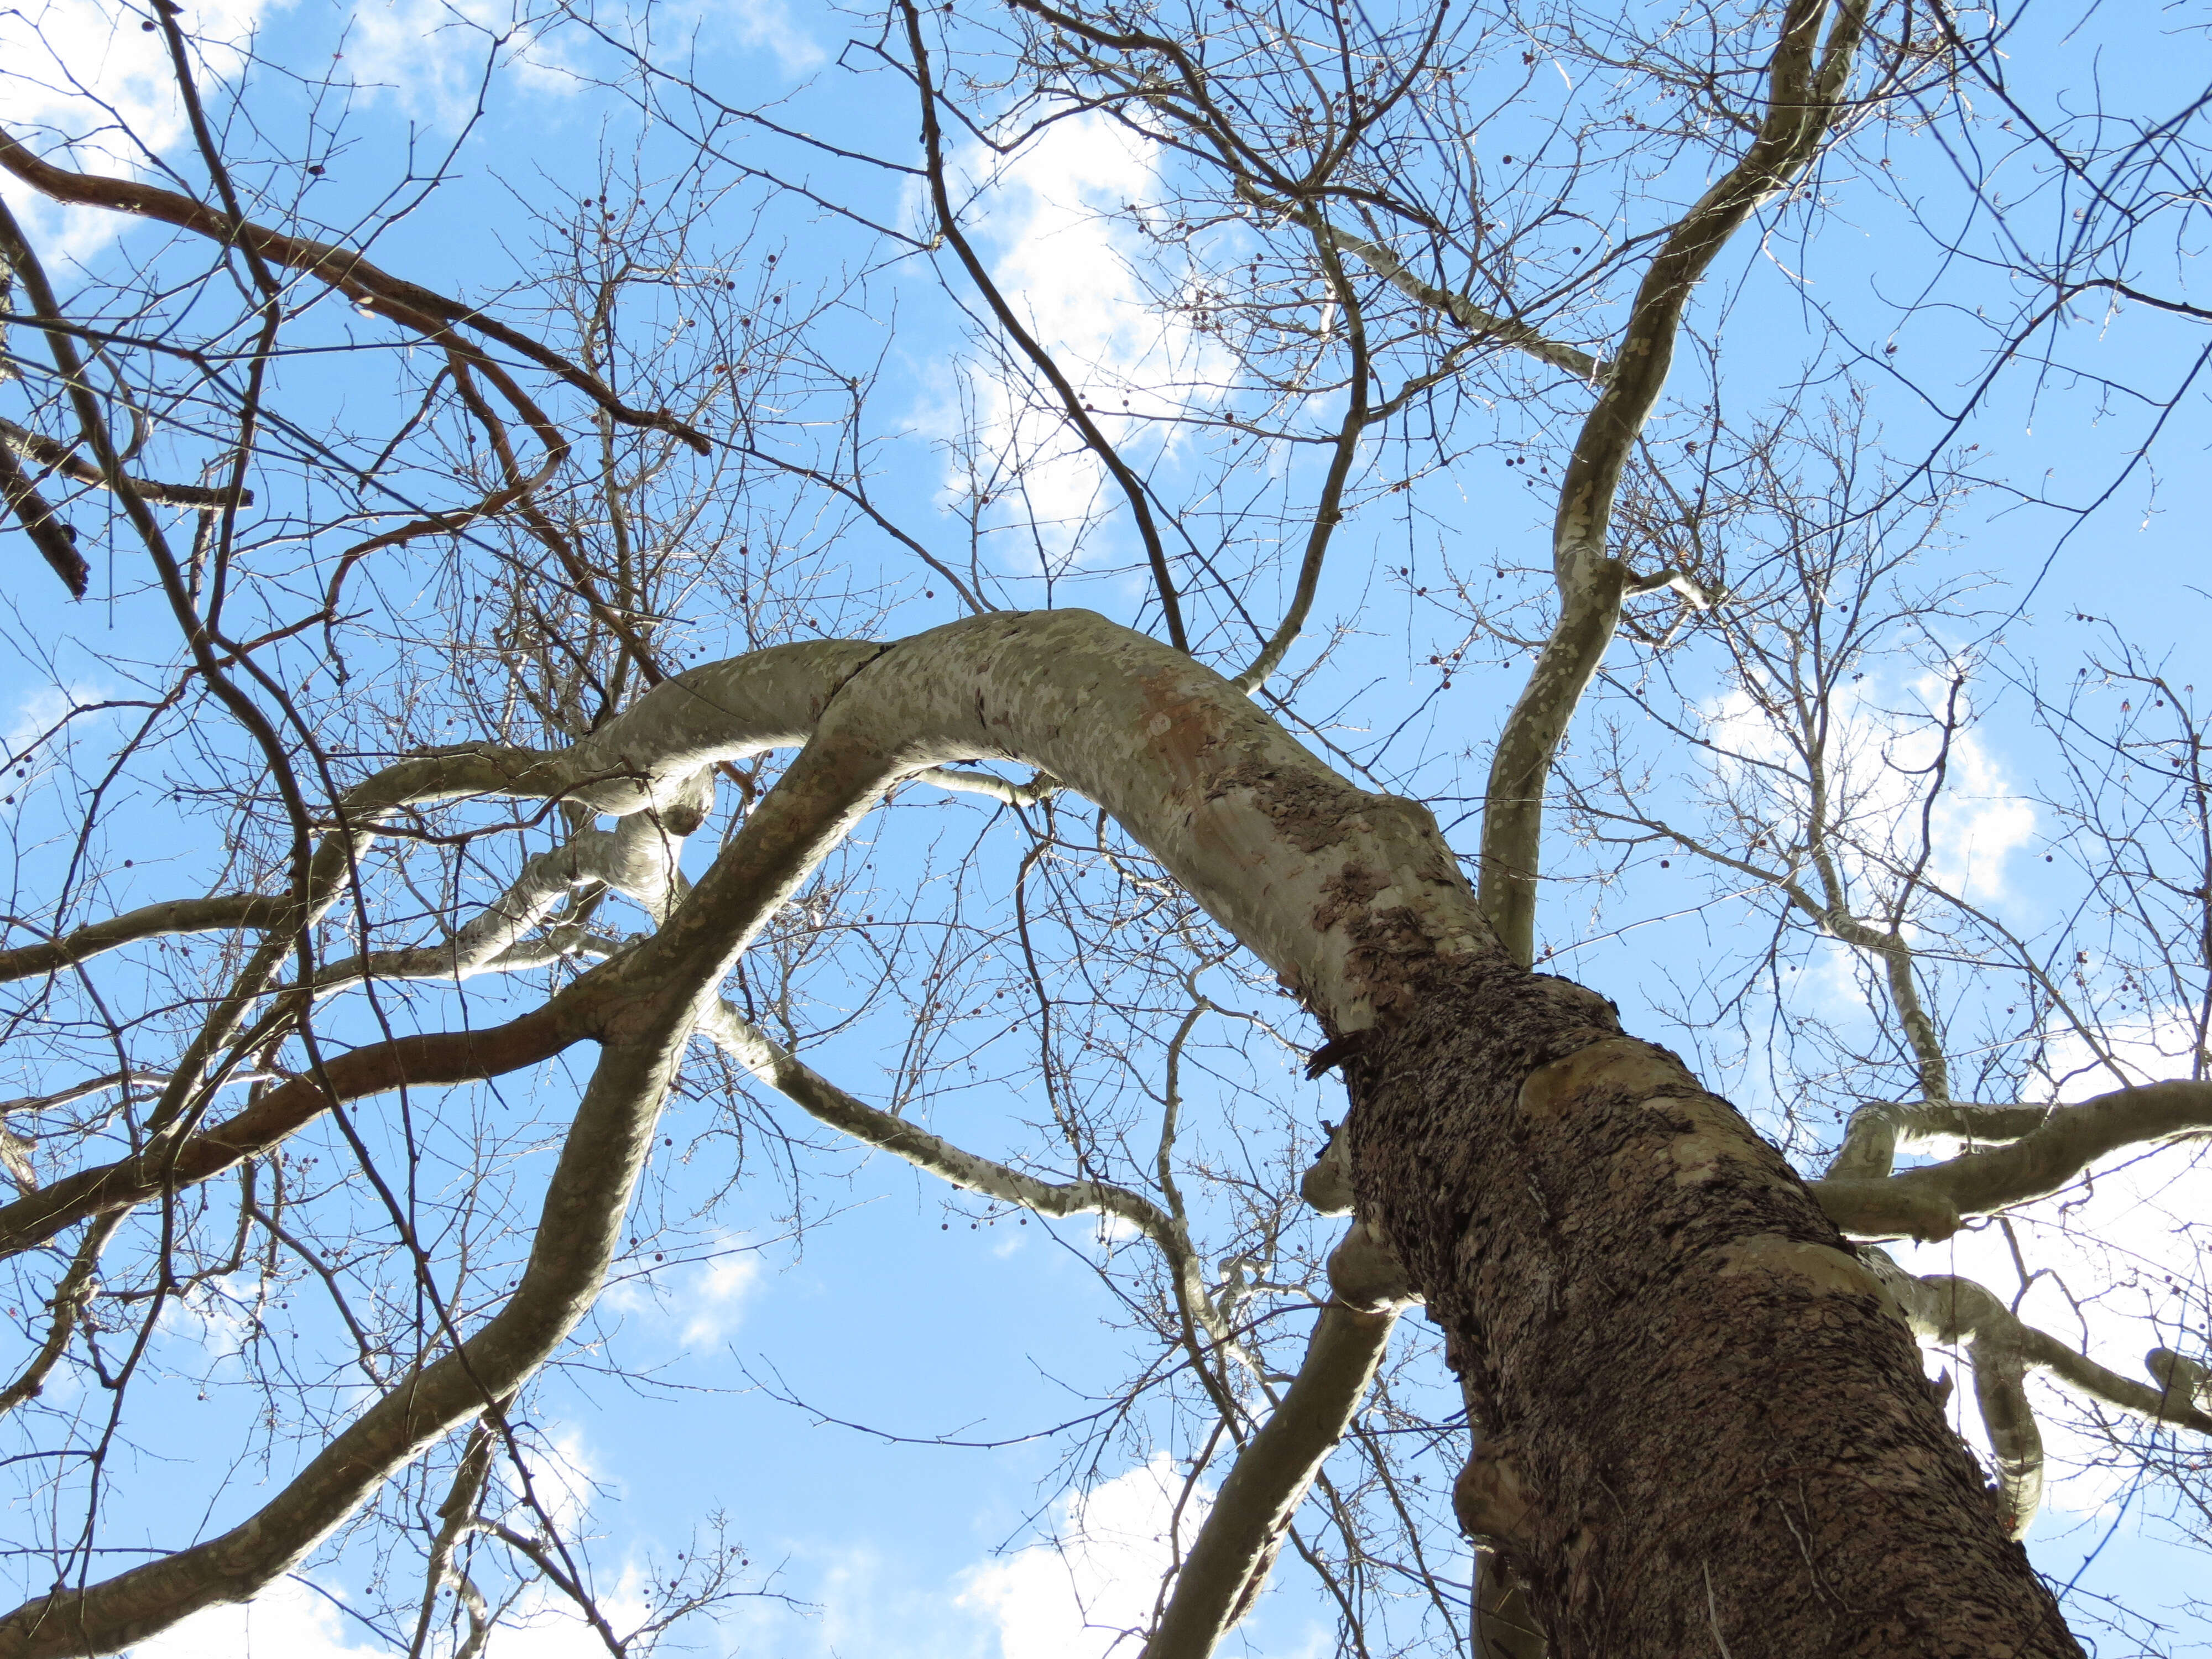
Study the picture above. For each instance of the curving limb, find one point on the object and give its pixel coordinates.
(1806, 83)
(2001, 1350)
(793, 1077)
(65, 460)
(1467, 1062)
(438, 1058)
(642, 1007)
(576, 1238)
(2047, 1150)
(1229, 1561)
(72, 1293)
(204, 915)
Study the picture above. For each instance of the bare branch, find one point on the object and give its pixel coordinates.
(150, 922)
(2001, 1350)
(64, 459)
(408, 304)
(2041, 1160)
(1391, 269)
(1806, 84)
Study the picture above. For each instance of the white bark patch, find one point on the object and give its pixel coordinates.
(1825, 1271)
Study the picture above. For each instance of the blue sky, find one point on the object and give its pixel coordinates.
(876, 1301)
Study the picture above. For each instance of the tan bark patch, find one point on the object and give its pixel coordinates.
(1621, 1066)
(1823, 1269)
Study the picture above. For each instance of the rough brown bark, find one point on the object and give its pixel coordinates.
(1704, 1430)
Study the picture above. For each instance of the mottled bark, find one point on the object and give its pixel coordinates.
(1682, 1372)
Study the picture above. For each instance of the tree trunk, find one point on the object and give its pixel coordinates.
(1703, 1429)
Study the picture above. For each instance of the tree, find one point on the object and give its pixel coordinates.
(432, 622)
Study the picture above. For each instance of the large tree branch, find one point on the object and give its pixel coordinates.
(578, 1230)
(1806, 84)
(201, 916)
(800, 1083)
(2044, 1158)
(643, 1005)
(64, 459)
(2001, 1350)
(66, 1307)
(644, 761)
(436, 1058)
(1236, 1547)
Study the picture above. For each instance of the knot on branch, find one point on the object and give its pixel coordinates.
(1491, 1498)
(2185, 1382)
(1327, 1184)
(1366, 1273)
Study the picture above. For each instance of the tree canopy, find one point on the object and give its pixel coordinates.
(680, 653)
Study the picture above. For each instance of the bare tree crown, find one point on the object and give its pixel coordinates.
(1066, 593)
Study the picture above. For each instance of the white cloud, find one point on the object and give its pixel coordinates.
(715, 1299)
(429, 56)
(765, 23)
(288, 1620)
(1882, 747)
(701, 1304)
(2149, 1050)
(564, 1477)
(1067, 267)
(215, 1314)
(88, 71)
(1093, 1587)
(546, 1625)
(292, 1619)
(85, 71)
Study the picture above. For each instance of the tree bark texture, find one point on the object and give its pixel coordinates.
(1705, 1430)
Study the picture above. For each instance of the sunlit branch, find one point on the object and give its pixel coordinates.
(457, 1514)
(2001, 1350)
(803, 1085)
(966, 782)
(1230, 1559)
(66, 1306)
(1508, 330)
(2041, 1159)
